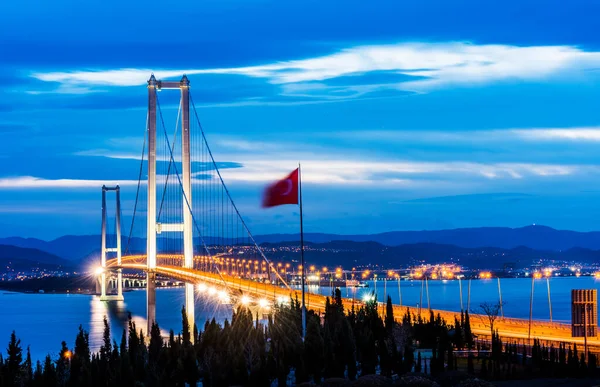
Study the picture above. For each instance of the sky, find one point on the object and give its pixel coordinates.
(405, 115)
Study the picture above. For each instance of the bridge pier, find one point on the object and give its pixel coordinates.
(190, 307)
(150, 300)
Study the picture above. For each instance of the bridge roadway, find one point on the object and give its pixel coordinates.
(509, 328)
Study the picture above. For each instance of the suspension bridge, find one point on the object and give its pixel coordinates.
(195, 233)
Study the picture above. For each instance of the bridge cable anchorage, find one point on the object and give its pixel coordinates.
(162, 200)
(186, 198)
(231, 199)
(137, 193)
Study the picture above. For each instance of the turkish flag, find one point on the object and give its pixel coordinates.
(284, 191)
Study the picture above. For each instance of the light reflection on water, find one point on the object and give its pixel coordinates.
(42, 321)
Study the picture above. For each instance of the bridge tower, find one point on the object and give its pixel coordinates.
(117, 249)
(154, 228)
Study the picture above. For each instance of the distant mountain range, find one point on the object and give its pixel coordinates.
(534, 237)
(19, 258)
(362, 253)
(522, 243)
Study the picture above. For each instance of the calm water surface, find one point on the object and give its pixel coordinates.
(42, 321)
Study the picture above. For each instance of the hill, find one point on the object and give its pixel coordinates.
(76, 248)
(534, 237)
(349, 253)
(19, 258)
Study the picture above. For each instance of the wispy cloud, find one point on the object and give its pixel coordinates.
(575, 134)
(397, 172)
(427, 65)
(36, 182)
(263, 161)
(559, 134)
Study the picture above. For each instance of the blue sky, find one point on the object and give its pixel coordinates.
(406, 115)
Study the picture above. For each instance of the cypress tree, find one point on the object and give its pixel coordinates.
(63, 365)
(13, 361)
(80, 362)
(38, 375)
(185, 327)
(389, 315)
(467, 330)
(314, 350)
(27, 368)
(49, 377)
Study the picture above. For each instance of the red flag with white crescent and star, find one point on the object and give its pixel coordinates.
(284, 191)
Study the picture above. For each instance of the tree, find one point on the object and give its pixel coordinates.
(185, 327)
(314, 349)
(491, 311)
(467, 329)
(13, 361)
(389, 315)
(28, 368)
(49, 377)
(63, 365)
(80, 363)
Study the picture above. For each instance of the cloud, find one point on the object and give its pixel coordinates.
(36, 182)
(559, 134)
(575, 134)
(396, 172)
(425, 66)
(262, 161)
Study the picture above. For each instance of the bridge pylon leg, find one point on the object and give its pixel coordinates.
(188, 244)
(150, 300)
(120, 284)
(190, 307)
(103, 287)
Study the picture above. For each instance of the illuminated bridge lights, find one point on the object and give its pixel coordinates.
(263, 303)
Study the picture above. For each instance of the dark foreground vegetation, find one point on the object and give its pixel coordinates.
(342, 348)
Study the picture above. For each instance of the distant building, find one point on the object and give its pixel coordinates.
(584, 312)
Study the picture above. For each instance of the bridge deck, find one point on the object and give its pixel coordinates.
(513, 328)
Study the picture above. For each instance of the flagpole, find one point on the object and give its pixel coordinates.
(302, 254)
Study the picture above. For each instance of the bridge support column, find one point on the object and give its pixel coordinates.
(103, 294)
(103, 287)
(190, 307)
(150, 300)
(151, 212)
(103, 247)
(188, 241)
(119, 271)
